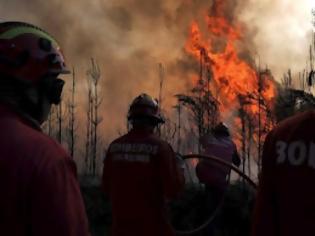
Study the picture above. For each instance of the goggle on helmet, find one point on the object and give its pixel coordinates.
(28, 54)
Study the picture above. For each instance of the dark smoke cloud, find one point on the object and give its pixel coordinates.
(121, 18)
(128, 38)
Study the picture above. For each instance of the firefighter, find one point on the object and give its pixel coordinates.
(40, 194)
(215, 176)
(141, 174)
(218, 144)
(285, 203)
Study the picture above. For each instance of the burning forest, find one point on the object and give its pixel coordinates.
(216, 74)
(241, 93)
(189, 84)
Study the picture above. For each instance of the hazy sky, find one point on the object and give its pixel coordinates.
(283, 32)
(130, 37)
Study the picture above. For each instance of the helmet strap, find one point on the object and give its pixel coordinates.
(30, 99)
(52, 88)
(144, 120)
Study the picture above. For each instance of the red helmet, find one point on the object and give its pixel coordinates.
(27, 53)
(145, 106)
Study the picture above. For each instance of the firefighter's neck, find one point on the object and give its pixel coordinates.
(143, 128)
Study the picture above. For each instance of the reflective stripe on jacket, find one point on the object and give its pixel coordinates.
(285, 204)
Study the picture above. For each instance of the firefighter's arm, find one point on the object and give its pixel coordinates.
(236, 158)
(264, 212)
(57, 206)
(172, 176)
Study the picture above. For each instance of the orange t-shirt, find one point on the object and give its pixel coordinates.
(285, 202)
(40, 194)
(140, 173)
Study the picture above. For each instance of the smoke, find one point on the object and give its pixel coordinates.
(128, 38)
(281, 32)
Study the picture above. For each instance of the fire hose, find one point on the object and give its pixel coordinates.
(216, 211)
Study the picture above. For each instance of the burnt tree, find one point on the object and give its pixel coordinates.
(94, 75)
(71, 106)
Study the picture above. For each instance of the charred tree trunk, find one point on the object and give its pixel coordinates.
(49, 122)
(161, 84)
(88, 129)
(200, 96)
(249, 145)
(95, 75)
(259, 121)
(242, 116)
(179, 111)
(72, 117)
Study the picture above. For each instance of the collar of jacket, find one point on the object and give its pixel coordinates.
(12, 110)
(141, 131)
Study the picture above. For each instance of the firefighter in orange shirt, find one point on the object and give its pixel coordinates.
(140, 174)
(40, 195)
(218, 144)
(285, 203)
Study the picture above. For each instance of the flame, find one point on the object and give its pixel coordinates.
(232, 75)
